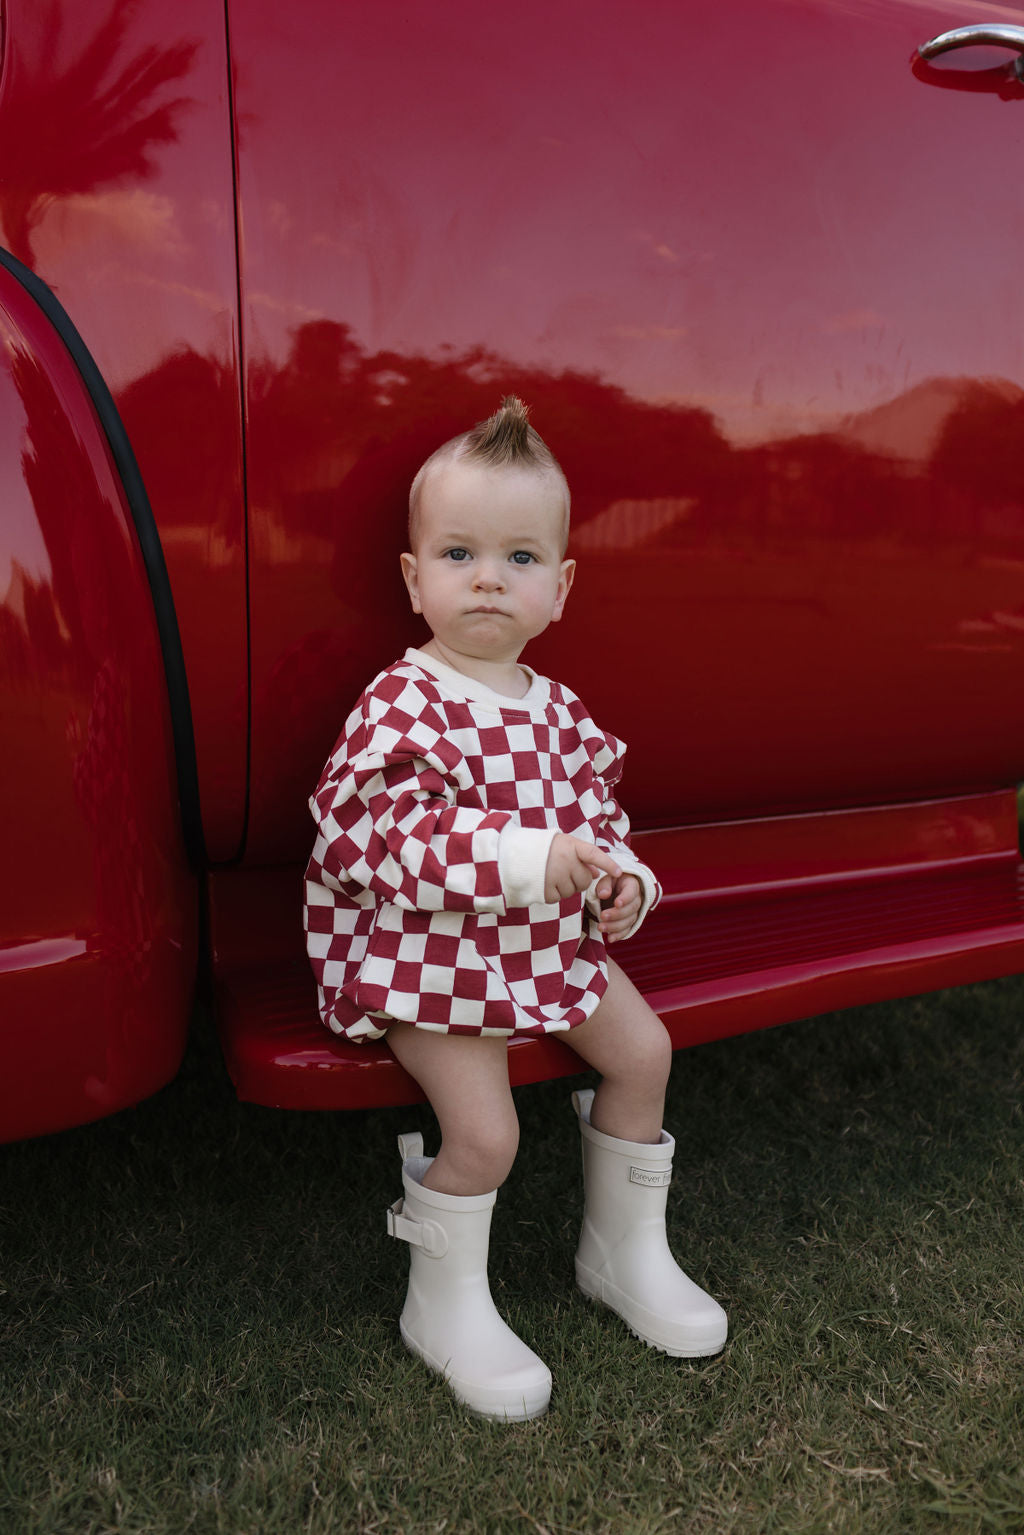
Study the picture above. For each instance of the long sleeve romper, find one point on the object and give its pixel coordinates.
(424, 895)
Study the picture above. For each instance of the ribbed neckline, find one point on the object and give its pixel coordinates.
(469, 689)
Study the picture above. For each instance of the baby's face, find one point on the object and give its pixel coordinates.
(487, 571)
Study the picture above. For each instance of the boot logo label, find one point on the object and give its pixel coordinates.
(649, 1178)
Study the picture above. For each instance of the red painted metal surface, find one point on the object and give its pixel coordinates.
(116, 187)
(761, 284)
(98, 912)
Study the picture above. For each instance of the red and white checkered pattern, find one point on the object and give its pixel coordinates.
(407, 913)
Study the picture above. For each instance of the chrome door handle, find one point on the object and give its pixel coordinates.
(995, 35)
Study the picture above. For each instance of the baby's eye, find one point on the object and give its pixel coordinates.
(523, 557)
(456, 554)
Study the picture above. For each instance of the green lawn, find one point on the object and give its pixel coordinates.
(198, 1308)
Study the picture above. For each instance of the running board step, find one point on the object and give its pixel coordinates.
(711, 969)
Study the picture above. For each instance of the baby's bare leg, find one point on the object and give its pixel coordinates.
(626, 1041)
(466, 1080)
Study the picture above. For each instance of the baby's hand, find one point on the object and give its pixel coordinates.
(572, 865)
(622, 908)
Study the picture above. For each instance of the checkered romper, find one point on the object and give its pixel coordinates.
(425, 890)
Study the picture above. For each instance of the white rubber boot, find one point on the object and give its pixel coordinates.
(624, 1259)
(449, 1318)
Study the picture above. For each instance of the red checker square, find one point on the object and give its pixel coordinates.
(406, 975)
(386, 945)
(546, 934)
(526, 766)
(502, 795)
(500, 1014)
(469, 985)
(487, 939)
(390, 687)
(376, 850)
(368, 997)
(518, 967)
(435, 1008)
(433, 719)
(421, 831)
(493, 741)
(458, 851)
(488, 879)
(458, 716)
(441, 949)
(582, 779)
(320, 919)
(551, 990)
(588, 952)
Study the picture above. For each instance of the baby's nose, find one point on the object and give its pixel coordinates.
(489, 577)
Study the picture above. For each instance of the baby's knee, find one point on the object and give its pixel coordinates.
(483, 1152)
(650, 1055)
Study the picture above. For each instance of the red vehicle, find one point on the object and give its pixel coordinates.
(756, 269)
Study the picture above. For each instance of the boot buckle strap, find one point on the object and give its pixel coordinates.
(426, 1234)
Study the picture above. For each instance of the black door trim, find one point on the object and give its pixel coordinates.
(152, 553)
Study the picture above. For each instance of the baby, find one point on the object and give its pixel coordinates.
(470, 870)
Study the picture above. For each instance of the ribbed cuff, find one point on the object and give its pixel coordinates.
(522, 863)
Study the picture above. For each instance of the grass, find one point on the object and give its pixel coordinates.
(198, 1309)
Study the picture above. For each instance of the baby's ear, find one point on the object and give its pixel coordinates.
(565, 576)
(411, 579)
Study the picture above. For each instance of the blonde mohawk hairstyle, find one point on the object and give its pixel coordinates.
(505, 440)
